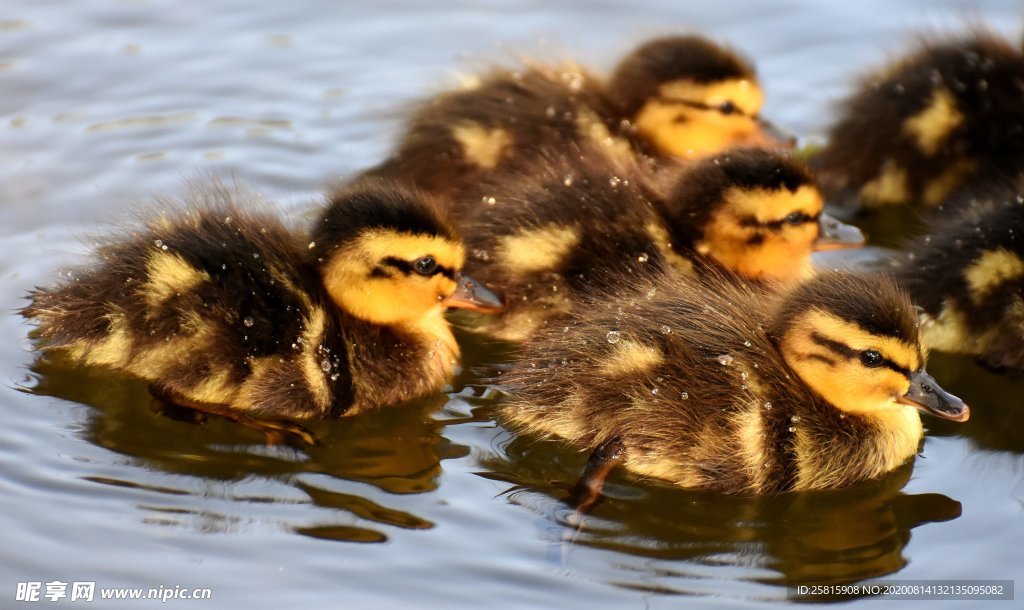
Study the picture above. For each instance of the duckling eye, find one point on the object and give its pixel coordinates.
(425, 266)
(796, 218)
(727, 107)
(871, 358)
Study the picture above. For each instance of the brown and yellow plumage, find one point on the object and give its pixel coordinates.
(967, 274)
(717, 385)
(681, 96)
(943, 118)
(219, 303)
(563, 227)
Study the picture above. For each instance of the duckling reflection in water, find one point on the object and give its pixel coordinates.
(563, 228)
(943, 118)
(225, 310)
(828, 536)
(676, 97)
(718, 386)
(361, 449)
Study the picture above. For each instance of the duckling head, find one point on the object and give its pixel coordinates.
(691, 97)
(756, 212)
(386, 257)
(853, 339)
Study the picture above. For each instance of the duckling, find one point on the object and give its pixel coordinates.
(564, 227)
(688, 97)
(678, 95)
(967, 274)
(943, 117)
(716, 385)
(225, 309)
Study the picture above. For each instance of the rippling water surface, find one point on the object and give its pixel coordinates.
(107, 105)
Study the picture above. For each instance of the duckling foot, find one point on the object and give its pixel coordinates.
(588, 491)
(277, 432)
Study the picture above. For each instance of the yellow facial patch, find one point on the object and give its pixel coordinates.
(853, 336)
(841, 379)
(774, 205)
(700, 128)
(481, 146)
(890, 186)
(932, 126)
(990, 270)
(400, 300)
(377, 245)
(536, 250)
(391, 297)
(743, 93)
(168, 274)
(629, 357)
(771, 249)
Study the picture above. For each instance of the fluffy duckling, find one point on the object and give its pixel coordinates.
(562, 228)
(967, 275)
(225, 309)
(679, 96)
(945, 116)
(713, 385)
(686, 96)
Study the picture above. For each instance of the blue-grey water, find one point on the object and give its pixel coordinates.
(107, 105)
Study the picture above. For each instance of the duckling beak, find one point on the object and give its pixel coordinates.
(926, 395)
(471, 294)
(833, 235)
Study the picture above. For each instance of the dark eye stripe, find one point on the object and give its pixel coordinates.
(848, 352)
(402, 265)
(899, 369)
(775, 225)
(834, 346)
(407, 268)
(727, 108)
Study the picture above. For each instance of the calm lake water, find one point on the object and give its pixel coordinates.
(107, 105)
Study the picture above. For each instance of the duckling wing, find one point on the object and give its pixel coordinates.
(215, 303)
(669, 371)
(455, 139)
(561, 228)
